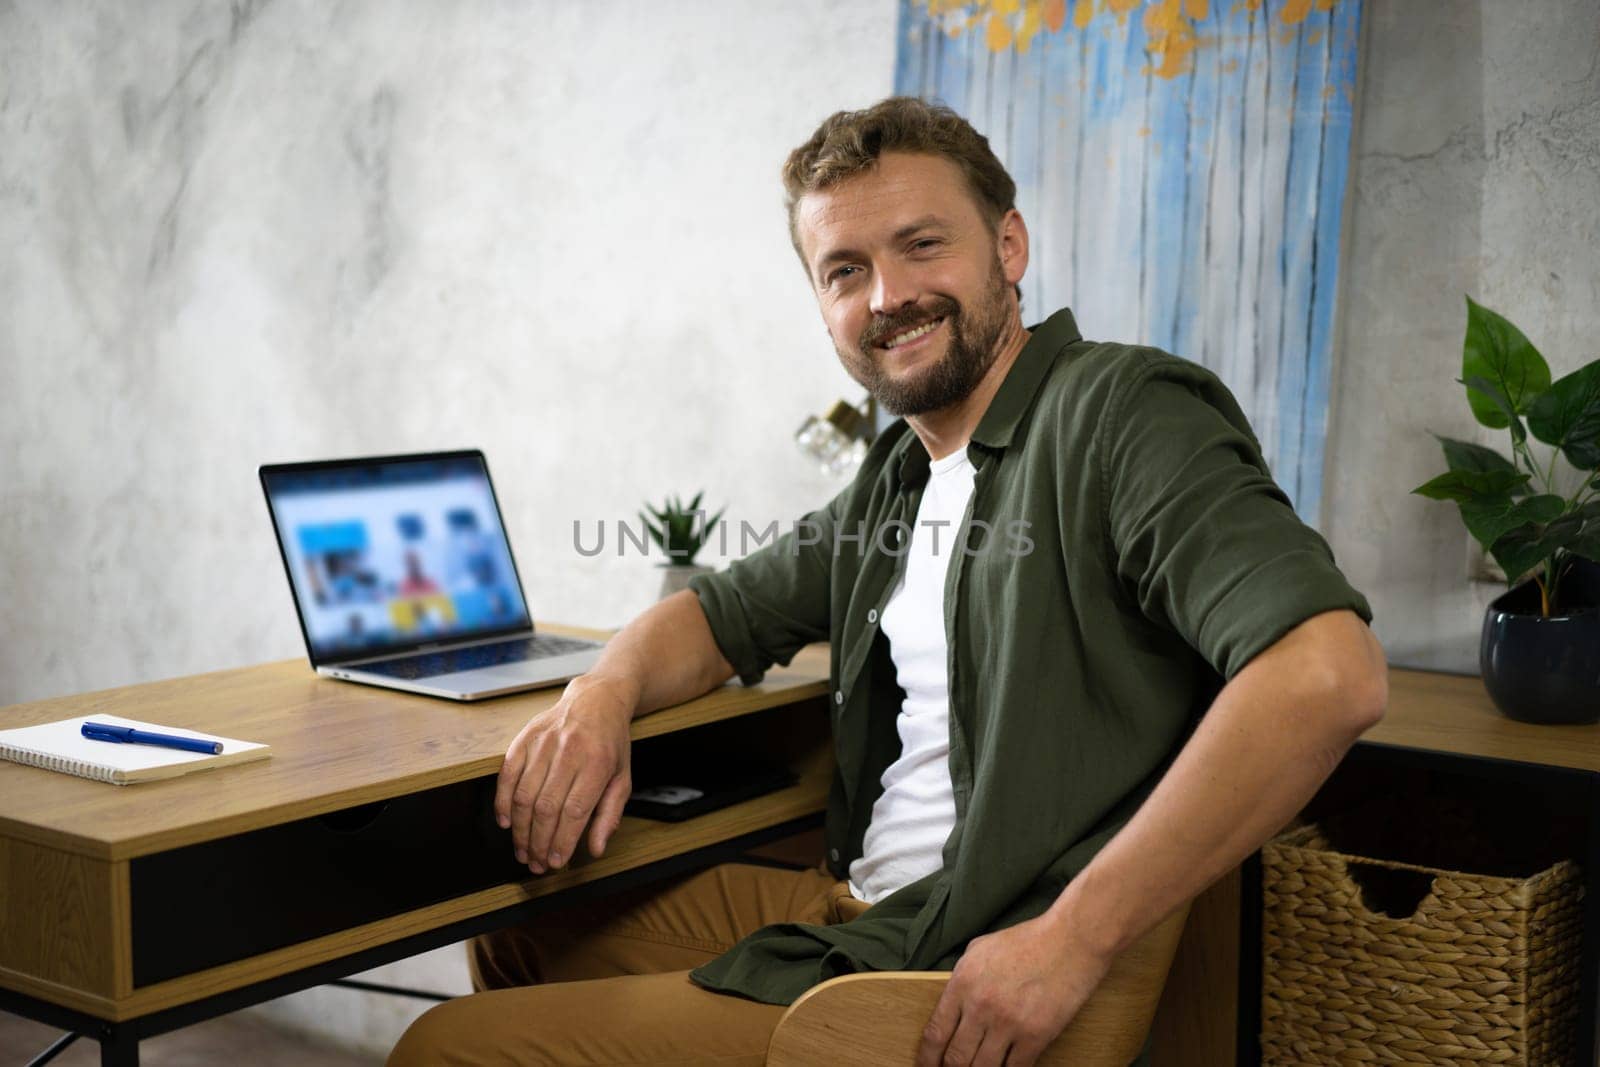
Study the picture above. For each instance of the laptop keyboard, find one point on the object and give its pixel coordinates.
(431, 664)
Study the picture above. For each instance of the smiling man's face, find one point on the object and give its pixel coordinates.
(914, 284)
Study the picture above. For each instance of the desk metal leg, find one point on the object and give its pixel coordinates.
(1589, 976)
(57, 1047)
(119, 1046)
(1248, 1049)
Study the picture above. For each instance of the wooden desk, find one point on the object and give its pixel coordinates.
(1441, 732)
(366, 837)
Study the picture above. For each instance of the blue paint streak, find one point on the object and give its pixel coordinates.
(1165, 224)
(908, 61)
(1052, 239)
(1344, 35)
(1189, 332)
(1299, 249)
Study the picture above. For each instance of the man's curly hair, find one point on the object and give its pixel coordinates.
(849, 143)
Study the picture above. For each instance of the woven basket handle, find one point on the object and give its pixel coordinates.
(1402, 891)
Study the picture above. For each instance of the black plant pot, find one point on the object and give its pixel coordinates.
(1545, 670)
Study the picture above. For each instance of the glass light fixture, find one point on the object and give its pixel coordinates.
(837, 441)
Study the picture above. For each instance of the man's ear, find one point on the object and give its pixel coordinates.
(1013, 241)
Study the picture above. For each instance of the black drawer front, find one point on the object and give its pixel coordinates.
(225, 900)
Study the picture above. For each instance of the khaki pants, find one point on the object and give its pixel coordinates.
(607, 982)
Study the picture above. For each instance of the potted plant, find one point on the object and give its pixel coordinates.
(681, 532)
(1540, 650)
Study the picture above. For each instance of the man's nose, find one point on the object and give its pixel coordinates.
(892, 289)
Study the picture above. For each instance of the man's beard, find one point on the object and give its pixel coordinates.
(973, 346)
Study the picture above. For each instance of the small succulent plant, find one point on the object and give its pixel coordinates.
(681, 531)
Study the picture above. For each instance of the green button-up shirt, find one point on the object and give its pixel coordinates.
(1126, 550)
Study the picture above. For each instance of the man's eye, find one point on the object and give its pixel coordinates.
(841, 273)
(926, 242)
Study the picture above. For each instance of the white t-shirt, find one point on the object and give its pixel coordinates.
(914, 816)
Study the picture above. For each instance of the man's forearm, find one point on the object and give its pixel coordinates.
(1269, 740)
(665, 656)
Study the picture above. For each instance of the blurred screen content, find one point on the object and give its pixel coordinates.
(396, 554)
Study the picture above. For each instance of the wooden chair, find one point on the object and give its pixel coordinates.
(878, 1018)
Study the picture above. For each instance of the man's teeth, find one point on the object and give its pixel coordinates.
(912, 335)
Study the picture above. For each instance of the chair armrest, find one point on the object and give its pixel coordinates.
(878, 1017)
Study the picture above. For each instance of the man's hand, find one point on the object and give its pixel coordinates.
(1012, 993)
(566, 764)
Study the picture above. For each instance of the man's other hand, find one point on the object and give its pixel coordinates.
(1011, 994)
(567, 764)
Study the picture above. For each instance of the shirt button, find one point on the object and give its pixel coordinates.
(872, 615)
(838, 696)
(833, 854)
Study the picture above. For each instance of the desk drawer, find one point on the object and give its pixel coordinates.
(225, 900)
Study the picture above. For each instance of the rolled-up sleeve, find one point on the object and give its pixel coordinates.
(1200, 533)
(766, 607)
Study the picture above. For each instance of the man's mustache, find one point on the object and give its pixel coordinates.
(883, 327)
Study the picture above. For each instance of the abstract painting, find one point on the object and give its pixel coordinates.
(1181, 165)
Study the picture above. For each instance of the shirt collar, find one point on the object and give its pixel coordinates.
(1012, 400)
(1016, 393)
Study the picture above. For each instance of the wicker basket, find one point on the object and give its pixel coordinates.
(1485, 970)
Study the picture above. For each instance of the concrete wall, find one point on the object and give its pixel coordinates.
(293, 230)
(1477, 171)
(552, 230)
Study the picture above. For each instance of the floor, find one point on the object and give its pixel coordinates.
(202, 1045)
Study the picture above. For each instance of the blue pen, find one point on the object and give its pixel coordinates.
(99, 731)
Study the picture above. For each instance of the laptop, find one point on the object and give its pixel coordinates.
(402, 575)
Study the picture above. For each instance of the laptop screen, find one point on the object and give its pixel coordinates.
(390, 554)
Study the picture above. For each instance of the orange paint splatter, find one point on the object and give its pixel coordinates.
(1031, 23)
(1172, 38)
(998, 37)
(1144, 131)
(1287, 36)
(1230, 66)
(1172, 26)
(1120, 8)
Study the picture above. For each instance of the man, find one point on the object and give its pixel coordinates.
(1035, 589)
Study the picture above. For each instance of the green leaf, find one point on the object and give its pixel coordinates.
(1468, 456)
(1472, 486)
(1586, 542)
(1481, 388)
(1519, 551)
(1568, 416)
(1496, 350)
(1488, 520)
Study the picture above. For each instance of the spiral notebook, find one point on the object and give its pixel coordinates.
(61, 746)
